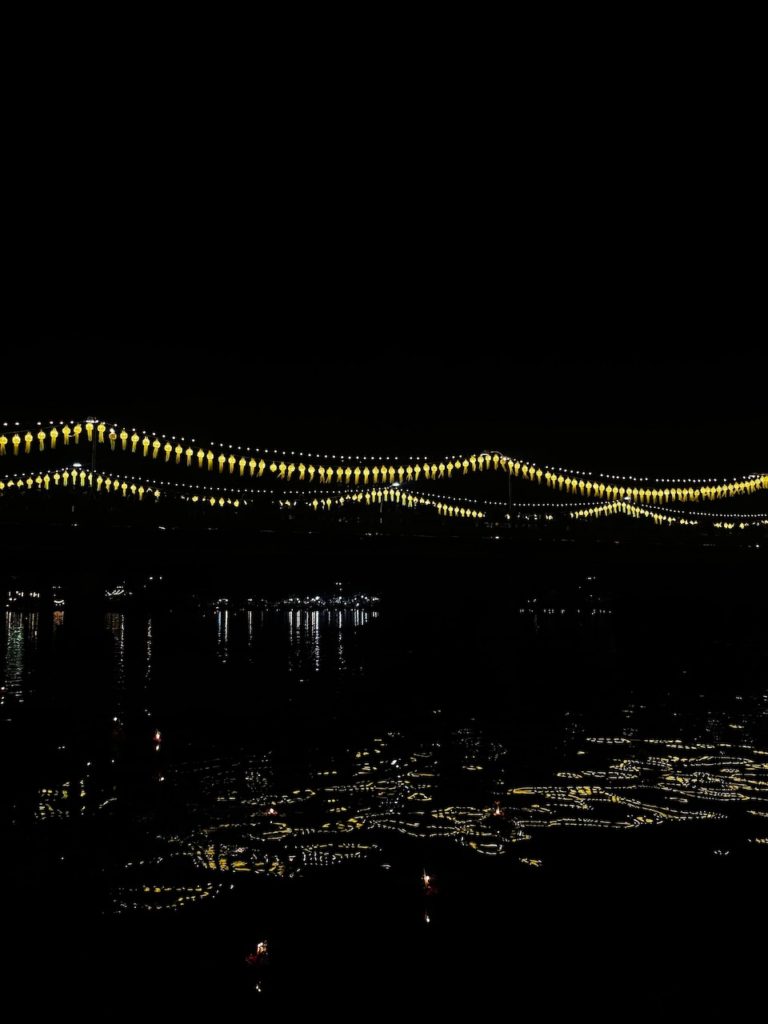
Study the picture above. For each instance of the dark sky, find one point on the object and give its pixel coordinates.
(666, 415)
(566, 273)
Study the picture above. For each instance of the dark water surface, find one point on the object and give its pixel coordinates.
(580, 767)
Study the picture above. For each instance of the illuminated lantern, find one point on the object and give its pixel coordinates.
(168, 449)
(262, 466)
(46, 481)
(178, 451)
(241, 465)
(141, 492)
(65, 477)
(251, 466)
(124, 439)
(145, 444)
(231, 462)
(222, 461)
(16, 441)
(99, 482)
(375, 474)
(408, 473)
(155, 448)
(282, 467)
(348, 475)
(3, 444)
(28, 439)
(112, 438)
(311, 473)
(100, 430)
(56, 478)
(41, 436)
(189, 455)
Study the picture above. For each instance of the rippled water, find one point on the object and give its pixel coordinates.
(269, 769)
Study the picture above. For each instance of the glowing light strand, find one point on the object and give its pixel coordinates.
(161, 446)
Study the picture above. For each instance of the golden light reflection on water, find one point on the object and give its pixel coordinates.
(386, 793)
(464, 793)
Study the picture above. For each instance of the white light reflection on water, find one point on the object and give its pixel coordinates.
(222, 634)
(318, 638)
(20, 644)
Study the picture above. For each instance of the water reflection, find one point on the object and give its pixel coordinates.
(222, 634)
(318, 639)
(361, 806)
(197, 821)
(19, 638)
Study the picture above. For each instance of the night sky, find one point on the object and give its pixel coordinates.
(567, 275)
(587, 297)
(626, 415)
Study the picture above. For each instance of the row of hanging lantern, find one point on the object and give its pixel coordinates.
(660, 518)
(78, 477)
(151, 446)
(376, 496)
(74, 478)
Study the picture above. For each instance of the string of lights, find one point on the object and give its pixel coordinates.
(397, 495)
(75, 476)
(178, 439)
(135, 486)
(708, 491)
(164, 447)
(638, 511)
(757, 516)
